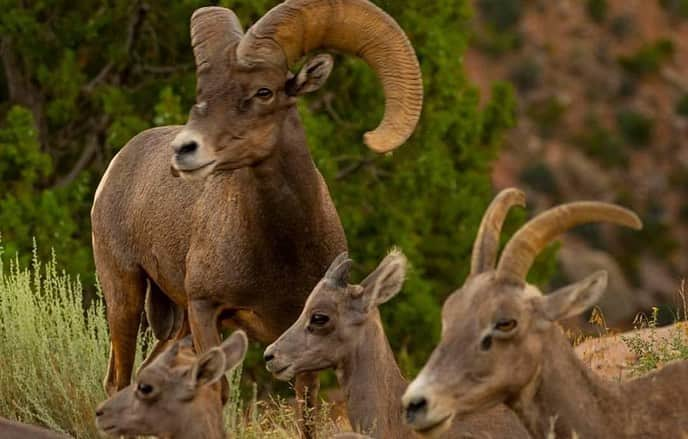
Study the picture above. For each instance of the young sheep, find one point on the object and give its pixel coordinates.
(500, 344)
(340, 328)
(174, 397)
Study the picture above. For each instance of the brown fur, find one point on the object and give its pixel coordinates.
(173, 397)
(17, 430)
(514, 352)
(353, 342)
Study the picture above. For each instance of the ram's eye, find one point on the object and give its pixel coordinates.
(144, 389)
(319, 319)
(505, 325)
(264, 93)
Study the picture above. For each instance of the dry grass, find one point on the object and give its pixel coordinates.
(54, 354)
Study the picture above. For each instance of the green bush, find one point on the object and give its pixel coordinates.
(675, 7)
(682, 106)
(635, 128)
(526, 74)
(601, 144)
(649, 58)
(501, 14)
(597, 10)
(546, 114)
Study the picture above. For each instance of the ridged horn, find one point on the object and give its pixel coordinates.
(296, 27)
(486, 245)
(213, 30)
(529, 240)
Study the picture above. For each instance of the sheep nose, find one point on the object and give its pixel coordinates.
(99, 412)
(268, 357)
(186, 148)
(416, 407)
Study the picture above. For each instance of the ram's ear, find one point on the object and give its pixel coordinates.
(383, 283)
(312, 75)
(208, 368)
(573, 299)
(234, 347)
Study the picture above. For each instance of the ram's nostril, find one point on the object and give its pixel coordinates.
(187, 148)
(99, 412)
(268, 357)
(416, 407)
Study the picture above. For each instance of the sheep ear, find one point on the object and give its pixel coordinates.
(385, 282)
(234, 348)
(312, 75)
(208, 368)
(573, 299)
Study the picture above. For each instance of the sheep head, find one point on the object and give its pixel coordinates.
(245, 88)
(493, 327)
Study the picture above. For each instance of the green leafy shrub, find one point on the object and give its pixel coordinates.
(675, 7)
(526, 74)
(539, 177)
(649, 58)
(597, 10)
(501, 14)
(601, 144)
(682, 106)
(546, 114)
(635, 128)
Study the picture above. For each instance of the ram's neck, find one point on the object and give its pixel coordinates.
(373, 384)
(566, 396)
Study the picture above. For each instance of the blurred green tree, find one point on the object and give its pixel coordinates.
(78, 80)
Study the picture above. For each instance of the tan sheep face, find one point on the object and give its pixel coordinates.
(240, 115)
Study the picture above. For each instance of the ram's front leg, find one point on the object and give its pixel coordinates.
(203, 321)
(307, 386)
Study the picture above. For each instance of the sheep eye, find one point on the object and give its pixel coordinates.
(144, 389)
(264, 93)
(486, 344)
(505, 325)
(319, 319)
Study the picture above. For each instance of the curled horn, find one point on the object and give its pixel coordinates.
(524, 246)
(338, 273)
(486, 245)
(296, 27)
(213, 30)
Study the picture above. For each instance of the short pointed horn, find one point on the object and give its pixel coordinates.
(486, 245)
(524, 246)
(294, 28)
(213, 30)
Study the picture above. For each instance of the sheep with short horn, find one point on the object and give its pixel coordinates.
(249, 229)
(513, 352)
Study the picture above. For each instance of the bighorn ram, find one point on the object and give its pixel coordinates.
(514, 352)
(250, 229)
(17, 430)
(340, 328)
(173, 397)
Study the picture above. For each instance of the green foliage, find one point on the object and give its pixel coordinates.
(597, 10)
(55, 351)
(649, 58)
(539, 177)
(675, 7)
(635, 128)
(601, 144)
(103, 79)
(546, 113)
(501, 14)
(655, 351)
(526, 74)
(682, 106)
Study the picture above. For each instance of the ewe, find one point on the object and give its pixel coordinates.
(500, 343)
(340, 328)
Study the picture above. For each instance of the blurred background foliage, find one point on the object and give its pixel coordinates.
(80, 78)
